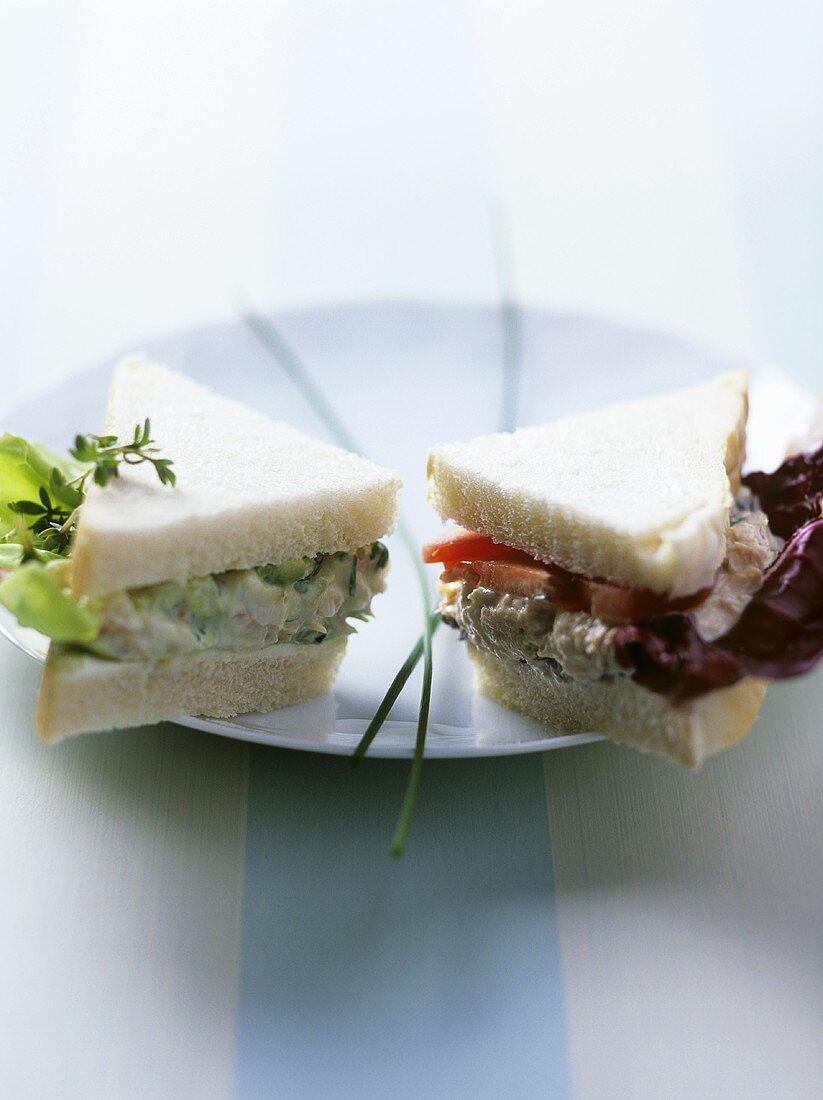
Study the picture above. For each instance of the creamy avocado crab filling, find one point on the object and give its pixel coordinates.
(307, 601)
(579, 646)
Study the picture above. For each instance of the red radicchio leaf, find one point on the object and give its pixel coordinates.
(780, 632)
(668, 656)
(791, 495)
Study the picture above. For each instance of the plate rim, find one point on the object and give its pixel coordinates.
(233, 729)
(224, 727)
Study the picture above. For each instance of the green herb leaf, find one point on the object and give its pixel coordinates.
(165, 472)
(66, 494)
(106, 454)
(27, 507)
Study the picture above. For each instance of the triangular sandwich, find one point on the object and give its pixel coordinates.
(607, 568)
(230, 591)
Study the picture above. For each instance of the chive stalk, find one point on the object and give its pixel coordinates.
(273, 341)
(510, 323)
(391, 696)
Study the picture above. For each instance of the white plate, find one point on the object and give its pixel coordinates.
(401, 377)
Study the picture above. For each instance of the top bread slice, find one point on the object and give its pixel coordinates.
(249, 490)
(637, 494)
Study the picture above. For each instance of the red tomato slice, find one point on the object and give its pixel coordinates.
(467, 555)
(457, 544)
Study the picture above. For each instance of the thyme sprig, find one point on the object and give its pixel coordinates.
(54, 514)
(106, 454)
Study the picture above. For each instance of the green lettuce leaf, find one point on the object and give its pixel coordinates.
(34, 594)
(31, 587)
(25, 469)
(11, 555)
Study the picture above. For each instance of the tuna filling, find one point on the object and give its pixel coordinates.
(579, 646)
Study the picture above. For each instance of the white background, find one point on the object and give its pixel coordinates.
(656, 162)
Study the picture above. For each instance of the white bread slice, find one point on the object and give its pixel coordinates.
(624, 711)
(80, 693)
(249, 490)
(637, 494)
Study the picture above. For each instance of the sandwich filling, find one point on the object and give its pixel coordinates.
(762, 617)
(307, 601)
(581, 645)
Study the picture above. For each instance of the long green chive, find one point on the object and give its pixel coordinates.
(273, 341)
(391, 696)
(398, 843)
(510, 321)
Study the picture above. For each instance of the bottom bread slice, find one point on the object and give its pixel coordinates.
(622, 710)
(80, 693)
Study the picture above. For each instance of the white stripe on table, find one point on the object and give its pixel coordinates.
(120, 919)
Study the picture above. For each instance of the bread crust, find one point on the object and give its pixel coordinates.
(249, 491)
(622, 710)
(81, 693)
(637, 494)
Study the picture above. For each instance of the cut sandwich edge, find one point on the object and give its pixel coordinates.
(81, 693)
(622, 710)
